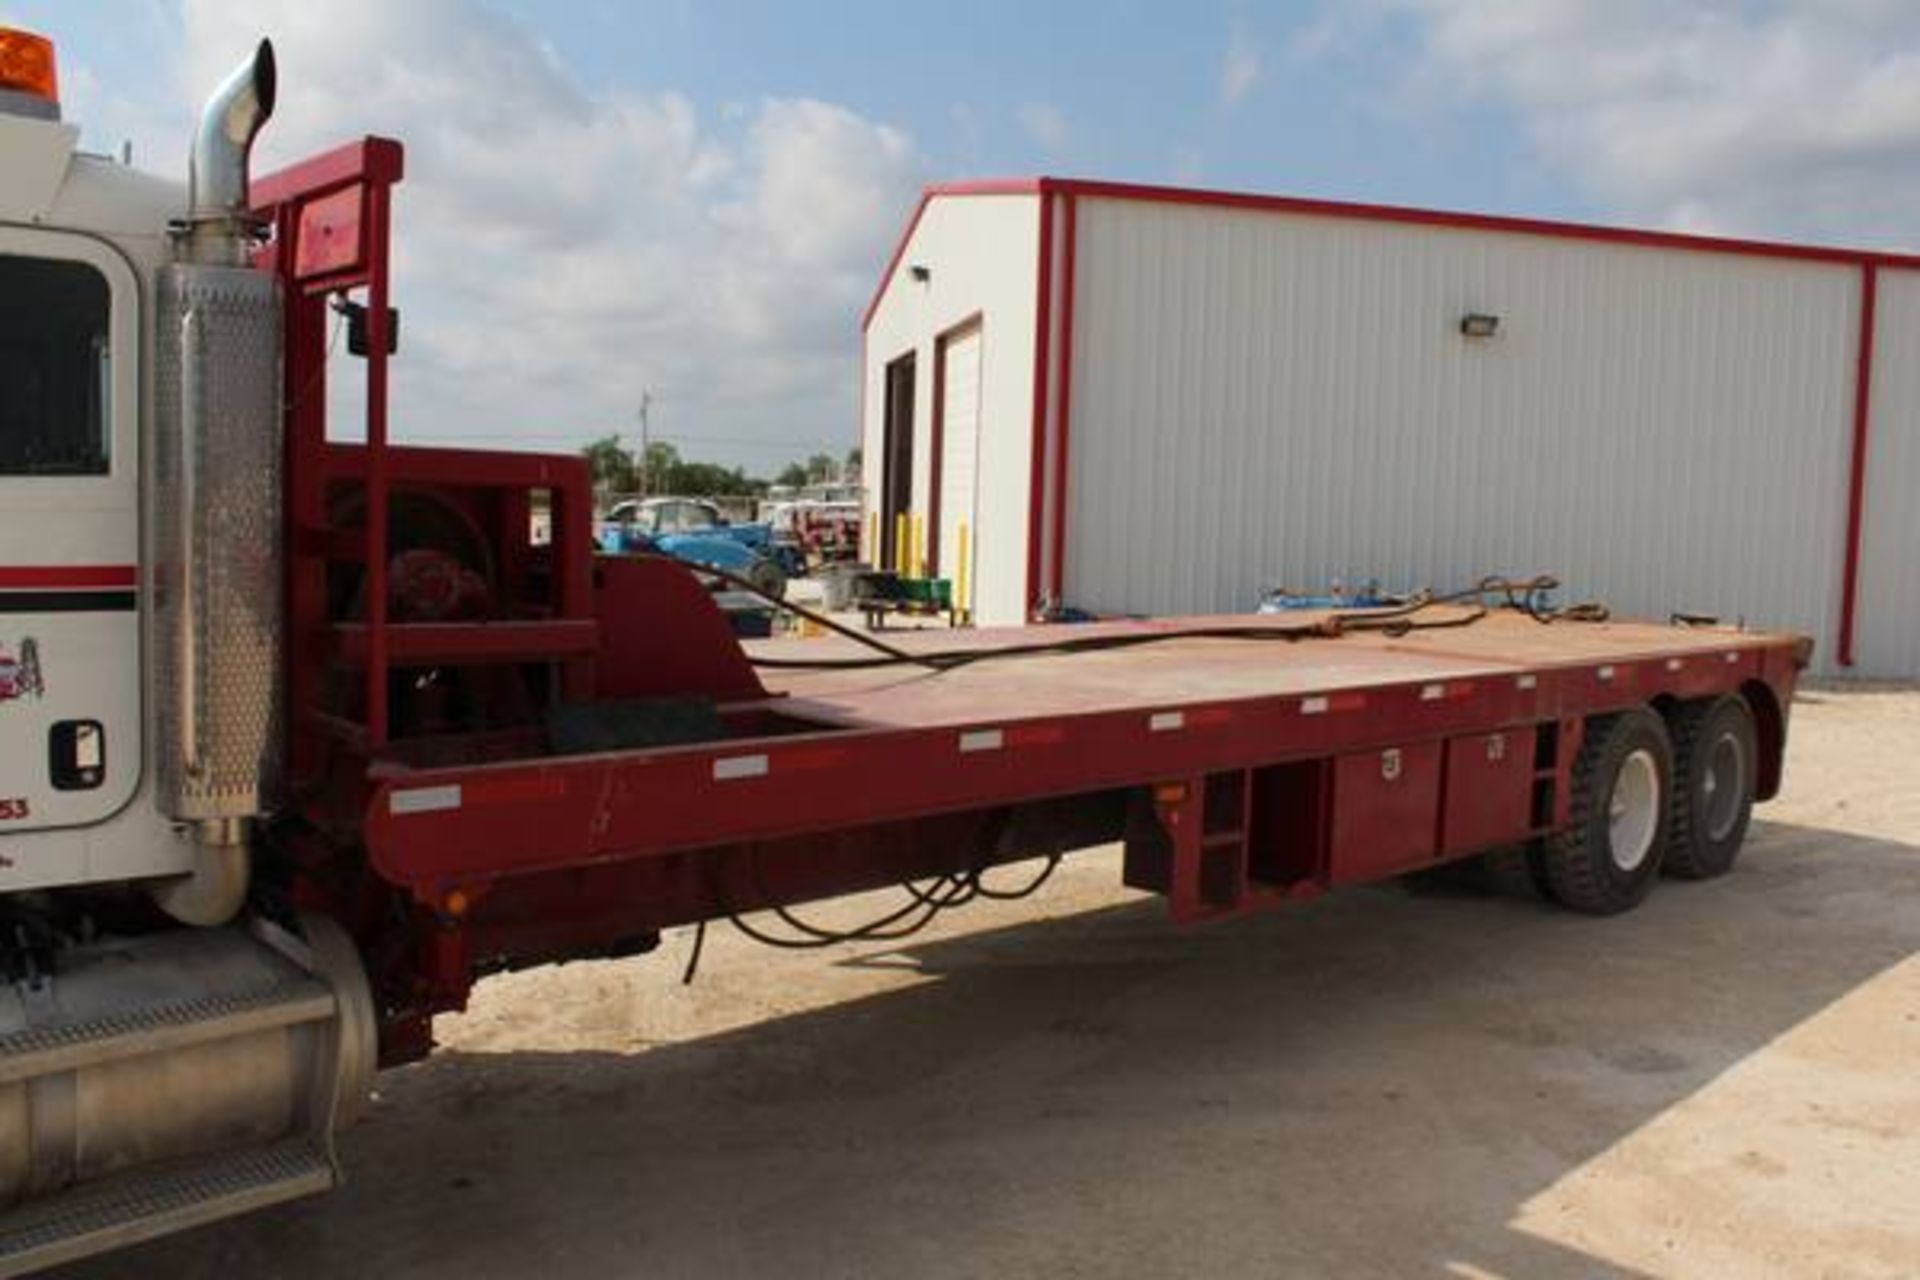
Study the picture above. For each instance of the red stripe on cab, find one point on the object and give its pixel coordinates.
(61, 577)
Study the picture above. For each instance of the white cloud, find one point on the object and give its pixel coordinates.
(557, 251)
(1046, 124)
(1240, 70)
(1788, 119)
(825, 180)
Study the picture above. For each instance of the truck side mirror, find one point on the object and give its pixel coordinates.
(358, 340)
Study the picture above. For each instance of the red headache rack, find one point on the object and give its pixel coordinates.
(330, 218)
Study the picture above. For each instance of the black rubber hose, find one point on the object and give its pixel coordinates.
(1398, 620)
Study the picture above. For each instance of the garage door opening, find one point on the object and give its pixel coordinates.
(896, 476)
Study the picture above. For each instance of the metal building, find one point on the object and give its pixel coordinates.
(1154, 400)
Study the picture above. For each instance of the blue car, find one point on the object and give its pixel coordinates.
(694, 531)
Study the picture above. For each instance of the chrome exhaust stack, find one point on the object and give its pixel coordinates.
(219, 229)
(216, 500)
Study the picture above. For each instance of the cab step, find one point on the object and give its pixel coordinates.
(115, 1212)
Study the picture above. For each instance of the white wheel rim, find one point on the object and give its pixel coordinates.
(1723, 785)
(1633, 810)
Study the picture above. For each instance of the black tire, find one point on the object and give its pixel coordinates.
(1585, 871)
(767, 578)
(1715, 768)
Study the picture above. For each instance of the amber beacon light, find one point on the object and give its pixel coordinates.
(29, 81)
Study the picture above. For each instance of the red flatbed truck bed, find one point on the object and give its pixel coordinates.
(1261, 770)
(589, 756)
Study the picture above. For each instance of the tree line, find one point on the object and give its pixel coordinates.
(661, 470)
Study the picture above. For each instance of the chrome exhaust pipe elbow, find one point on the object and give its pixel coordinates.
(219, 225)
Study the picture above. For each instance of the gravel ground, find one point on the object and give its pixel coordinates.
(1382, 1083)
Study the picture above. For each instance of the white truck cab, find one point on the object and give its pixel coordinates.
(80, 241)
(154, 1072)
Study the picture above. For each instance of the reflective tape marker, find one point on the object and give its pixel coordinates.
(1161, 721)
(1322, 703)
(1433, 692)
(982, 740)
(1605, 673)
(1526, 682)
(729, 768)
(1732, 658)
(424, 799)
(1674, 664)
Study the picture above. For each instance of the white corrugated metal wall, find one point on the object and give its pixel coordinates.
(1887, 630)
(981, 253)
(1268, 399)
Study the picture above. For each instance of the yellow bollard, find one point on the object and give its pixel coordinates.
(962, 605)
(919, 545)
(900, 544)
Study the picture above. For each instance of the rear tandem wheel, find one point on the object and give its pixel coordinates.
(1609, 855)
(1715, 766)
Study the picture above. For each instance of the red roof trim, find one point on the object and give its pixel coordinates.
(1385, 213)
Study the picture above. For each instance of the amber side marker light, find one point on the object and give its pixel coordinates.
(29, 77)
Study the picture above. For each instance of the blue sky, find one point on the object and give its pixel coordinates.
(693, 199)
(1116, 90)
(1121, 90)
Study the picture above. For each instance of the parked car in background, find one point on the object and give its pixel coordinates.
(826, 532)
(693, 530)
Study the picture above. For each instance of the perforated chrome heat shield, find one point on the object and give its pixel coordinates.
(218, 665)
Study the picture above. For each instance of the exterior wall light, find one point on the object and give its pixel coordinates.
(1478, 324)
(920, 272)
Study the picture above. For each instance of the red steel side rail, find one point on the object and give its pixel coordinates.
(465, 826)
